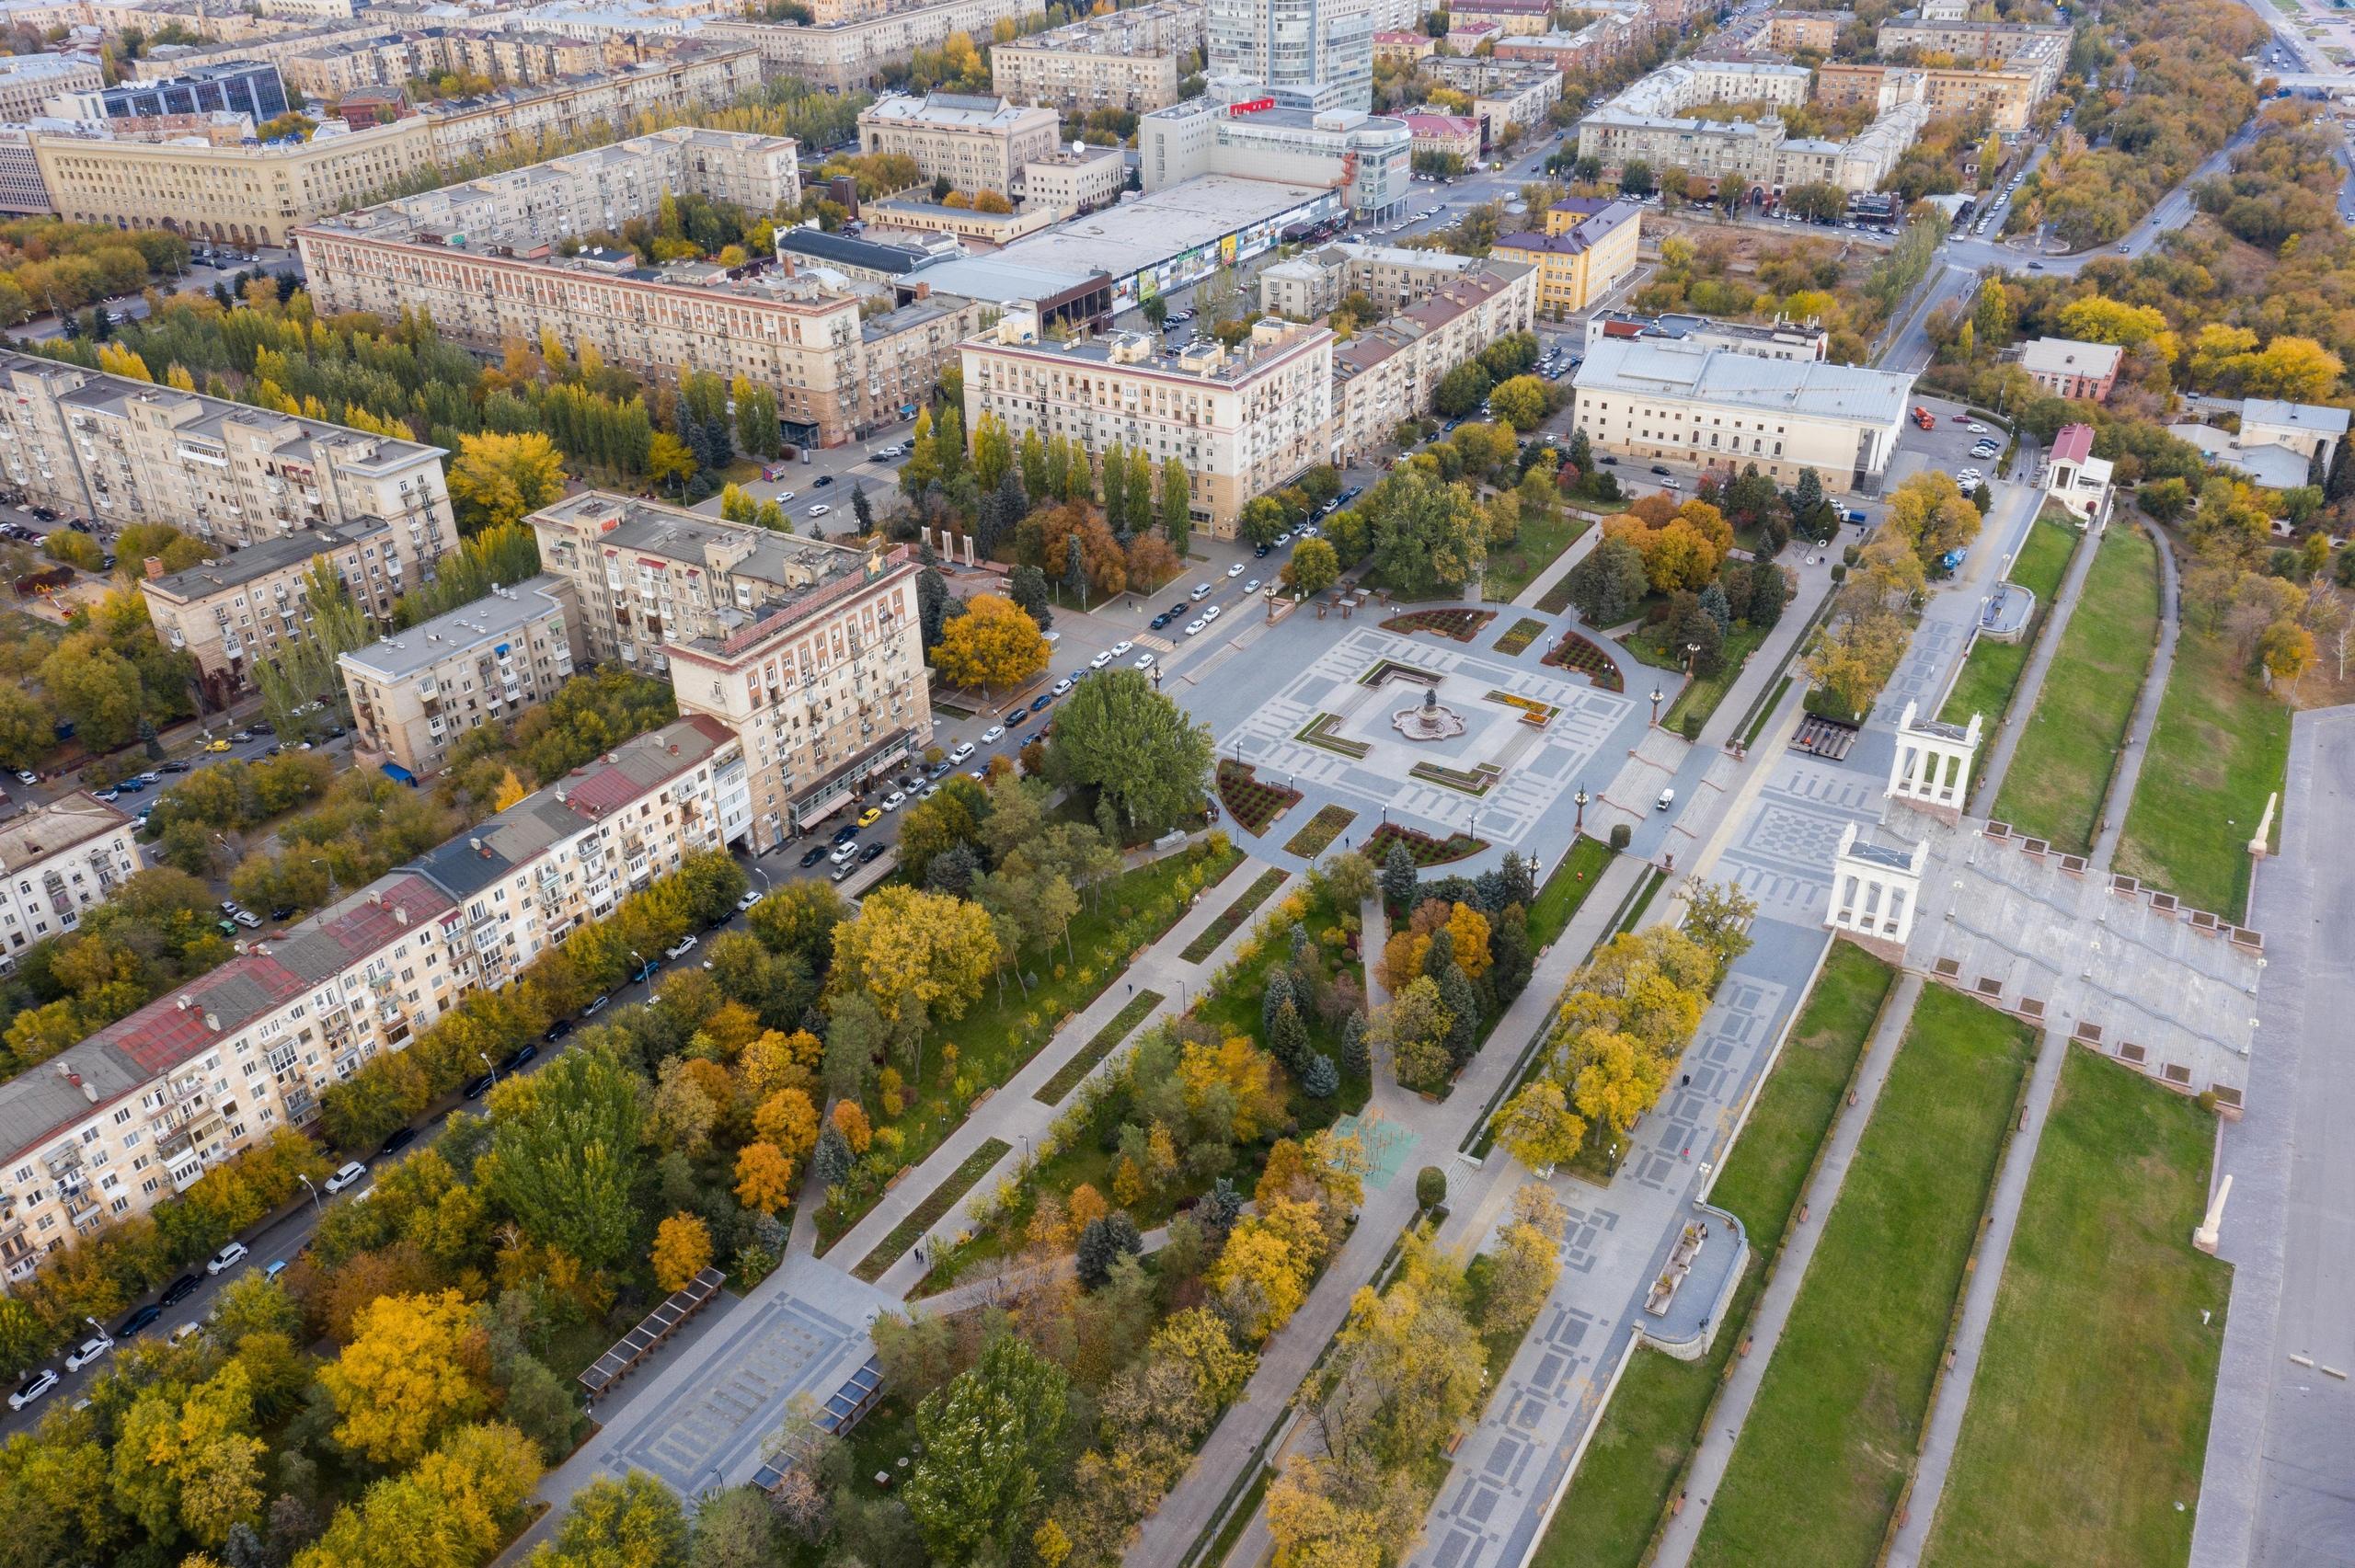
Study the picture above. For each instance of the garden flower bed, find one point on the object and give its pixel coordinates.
(1533, 713)
(1460, 625)
(1252, 804)
(1426, 850)
(1322, 829)
(1524, 632)
(1575, 653)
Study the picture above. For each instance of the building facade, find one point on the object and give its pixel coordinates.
(854, 54)
(1316, 281)
(1711, 406)
(1371, 158)
(1392, 371)
(55, 862)
(1128, 60)
(1587, 250)
(1243, 423)
(1513, 16)
(228, 473)
(1303, 54)
(810, 651)
(22, 191)
(975, 143)
(416, 692)
(2006, 95)
(2068, 368)
(249, 87)
(139, 1111)
(28, 80)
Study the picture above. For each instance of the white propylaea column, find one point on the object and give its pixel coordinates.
(1875, 890)
(1932, 766)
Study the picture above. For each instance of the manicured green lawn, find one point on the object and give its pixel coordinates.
(2058, 775)
(1654, 1418)
(1831, 1439)
(1704, 693)
(2089, 1419)
(2220, 748)
(1566, 890)
(1002, 1030)
(1515, 566)
(1992, 673)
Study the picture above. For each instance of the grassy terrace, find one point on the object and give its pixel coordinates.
(1513, 567)
(2062, 770)
(1572, 879)
(2061, 1458)
(1647, 1432)
(1005, 1030)
(2219, 747)
(1992, 673)
(1829, 1441)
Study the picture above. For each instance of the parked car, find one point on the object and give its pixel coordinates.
(227, 1258)
(401, 1139)
(991, 736)
(183, 1333)
(1100, 662)
(248, 918)
(178, 1290)
(479, 1084)
(871, 852)
(89, 1350)
(1144, 661)
(522, 1054)
(1041, 703)
(1121, 648)
(349, 1174)
(844, 853)
(139, 1320)
(750, 899)
(35, 1385)
(1201, 591)
(1236, 570)
(812, 855)
(684, 946)
(1064, 685)
(1660, 468)
(872, 815)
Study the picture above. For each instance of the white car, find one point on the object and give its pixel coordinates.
(90, 1350)
(32, 1388)
(750, 899)
(819, 510)
(1062, 686)
(1201, 591)
(686, 944)
(183, 1333)
(1143, 660)
(227, 1258)
(1193, 628)
(991, 736)
(783, 497)
(1283, 539)
(1975, 430)
(1100, 662)
(1235, 570)
(962, 752)
(1251, 586)
(352, 1173)
(894, 800)
(1121, 649)
(26, 778)
(844, 853)
(1050, 638)
(1210, 613)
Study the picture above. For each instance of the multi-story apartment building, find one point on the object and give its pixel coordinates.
(1128, 60)
(1815, 32)
(129, 452)
(975, 143)
(232, 612)
(1242, 422)
(1708, 406)
(810, 651)
(1594, 45)
(28, 80)
(55, 862)
(1506, 94)
(1316, 281)
(142, 1108)
(854, 54)
(1302, 53)
(1073, 182)
(249, 87)
(416, 692)
(479, 257)
(349, 65)
(1368, 157)
(2005, 94)
(1586, 249)
(1511, 16)
(2041, 49)
(260, 194)
(1647, 123)
(1392, 372)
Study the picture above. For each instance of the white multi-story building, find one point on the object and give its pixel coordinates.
(1391, 372)
(1369, 157)
(1243, 422)
(976, 143)
(808, 650)
(1306, 54)
(142, 1108)
(1648, 124)
(55, 862)
(1130, 58)
(416, 692)
(1711, 406)
(124, 451)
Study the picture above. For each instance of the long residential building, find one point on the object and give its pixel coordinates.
(416, 693)
(479, 257)
(2007, 94)
(1392, 371)
(1648, 124)
(55, 862)
(2043, 50)
(28, 80)
(1711, 406)
(974, 143)
(856, 53)
(259, 194)
(140, 1110)
(810, 651)
(1586, 249)
(127, 451)
(1128, 60)
(1243, 422)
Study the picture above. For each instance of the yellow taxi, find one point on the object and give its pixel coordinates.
(216, 746)
(872, 815)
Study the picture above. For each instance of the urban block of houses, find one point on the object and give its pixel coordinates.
(1586, 249)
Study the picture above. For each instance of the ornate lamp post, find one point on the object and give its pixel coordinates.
(1658, 697)
(1579, 799)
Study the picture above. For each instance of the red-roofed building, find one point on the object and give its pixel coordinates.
(2074, 477)
(1403, 47)
(1454, 135)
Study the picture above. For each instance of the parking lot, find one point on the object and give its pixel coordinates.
(1947, 447)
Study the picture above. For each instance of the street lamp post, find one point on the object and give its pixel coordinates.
(486, 1060)
(314, 1191)
(1579, 799)
(1692, 652)
(1658, 697)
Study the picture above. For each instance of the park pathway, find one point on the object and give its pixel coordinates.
(1990, 780)
(2146, 711)
(1979, 1294)
(1764, 1328)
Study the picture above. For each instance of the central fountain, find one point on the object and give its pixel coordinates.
(1431, 721)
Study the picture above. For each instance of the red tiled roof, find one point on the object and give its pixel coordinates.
(2072, 443)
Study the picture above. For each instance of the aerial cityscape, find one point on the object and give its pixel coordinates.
(1205, 783)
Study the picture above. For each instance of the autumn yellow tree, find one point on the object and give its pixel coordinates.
(914, 953)
(497, 477)
(682, 1251)
(994, 644)
(787, 1119)
(1537, 1125)
(850, 1119)
(1262, 1276)
(413, 1370)
(764, 1177)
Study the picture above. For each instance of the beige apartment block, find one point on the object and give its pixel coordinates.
(55, 862)
(331, 70)
(1243, 422)
(1315, 281)
(854, 54)
(28, 80)
(2007, 96)
(416, 692)
(1074, 182)
(810, 651)
(1130, 58)
(975, 143)
(128, 452)
(140, 1110)
(1392, 372)
(232, 613)
(1789, 32)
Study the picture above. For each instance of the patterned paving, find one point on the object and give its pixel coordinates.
(1783, 860)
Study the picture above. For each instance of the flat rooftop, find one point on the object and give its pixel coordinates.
(235, 568)
(1731, 379)
(47, 831)
(1133, 236)
(498, 614)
